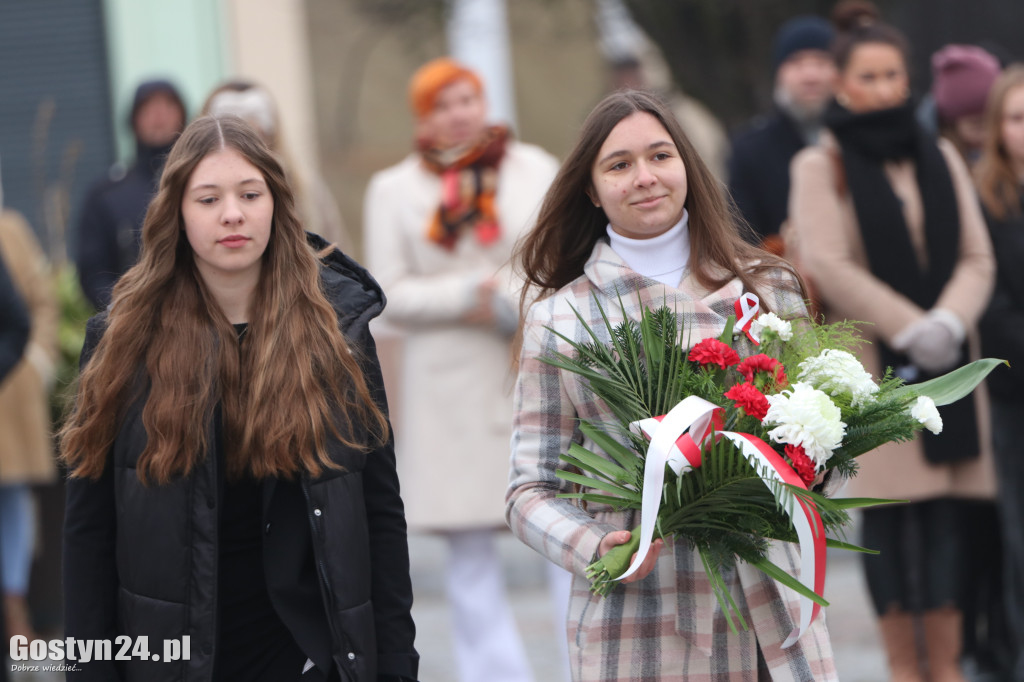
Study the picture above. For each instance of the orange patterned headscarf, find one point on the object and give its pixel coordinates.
(431, 78)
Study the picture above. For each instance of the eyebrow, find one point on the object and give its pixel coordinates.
(624, 152)
(210, 185)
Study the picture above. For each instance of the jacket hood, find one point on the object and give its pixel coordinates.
(351, 289)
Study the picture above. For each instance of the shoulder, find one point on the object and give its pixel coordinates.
(816, 158)
(756, 132)
(349, 287)
(404, 171)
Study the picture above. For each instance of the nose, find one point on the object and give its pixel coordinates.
(644, 177)
(232, 212)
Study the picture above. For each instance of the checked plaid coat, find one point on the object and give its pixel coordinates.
(668, 626)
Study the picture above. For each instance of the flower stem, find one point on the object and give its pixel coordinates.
(603, 572)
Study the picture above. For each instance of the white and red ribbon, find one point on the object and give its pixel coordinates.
(677, 440)
(747, 308)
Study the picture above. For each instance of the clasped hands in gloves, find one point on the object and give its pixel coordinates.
(932, 342)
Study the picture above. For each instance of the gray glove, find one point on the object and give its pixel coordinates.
(932, 342)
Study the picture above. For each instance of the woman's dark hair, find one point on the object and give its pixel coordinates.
(858, 22)
(569, 225)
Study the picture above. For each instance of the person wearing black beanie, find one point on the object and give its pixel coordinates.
(759, 166)
(111, 218)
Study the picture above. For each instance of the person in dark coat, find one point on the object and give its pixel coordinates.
(999, 174)
(111, 219)
(232, 474)
(805, 76)
(14, 323)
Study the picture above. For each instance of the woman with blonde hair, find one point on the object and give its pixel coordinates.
(232, 473)
(635, 219)
(999, 176)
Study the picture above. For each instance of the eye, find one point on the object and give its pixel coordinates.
(621, 165)
(207, 201)
(661, 156)
(251, 195)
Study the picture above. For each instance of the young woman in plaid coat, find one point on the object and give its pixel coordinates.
(635, 216)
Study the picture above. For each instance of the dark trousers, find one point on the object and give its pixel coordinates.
(1007, 423)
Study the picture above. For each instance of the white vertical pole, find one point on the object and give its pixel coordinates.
(478, 37)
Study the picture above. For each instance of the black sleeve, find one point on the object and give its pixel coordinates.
(96, 256)
(15, 323)
(391, 587)
(90, 572)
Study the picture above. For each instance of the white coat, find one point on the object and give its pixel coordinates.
(455, 402)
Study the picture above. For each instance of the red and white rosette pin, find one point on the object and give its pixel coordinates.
(747, 308)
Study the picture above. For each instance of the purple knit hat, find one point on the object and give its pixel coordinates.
(962, 75)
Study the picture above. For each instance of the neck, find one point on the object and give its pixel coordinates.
(662, 258)
(234, 295)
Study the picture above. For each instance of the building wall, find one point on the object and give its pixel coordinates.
(182, 41)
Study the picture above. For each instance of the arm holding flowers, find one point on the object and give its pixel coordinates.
(544, 425)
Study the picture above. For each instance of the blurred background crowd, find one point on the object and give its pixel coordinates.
(95, 92)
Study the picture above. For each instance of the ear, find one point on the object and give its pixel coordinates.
(593, 196)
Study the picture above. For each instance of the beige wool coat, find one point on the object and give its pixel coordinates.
(454, 419)
(26, 446)
(831, 252)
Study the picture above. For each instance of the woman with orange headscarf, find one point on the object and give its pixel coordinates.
(440, 227)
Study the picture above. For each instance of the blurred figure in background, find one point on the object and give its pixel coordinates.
(805, 75)
(439, 231)
(110, 225)
(637, 63)
(316, 205)
(962, 76)
(890, 231)
(15, 326)
(26, 449)
(999, 174)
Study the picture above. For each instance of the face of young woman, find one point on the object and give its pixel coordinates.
(228, 210)
(639, 179)
(1013, 125)
(459, 116)
(875, 78)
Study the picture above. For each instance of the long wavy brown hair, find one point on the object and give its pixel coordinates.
(290, 384)
(997, 181)
(569, 225)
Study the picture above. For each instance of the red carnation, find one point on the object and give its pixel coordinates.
(750, 399)
(714, 352)
(763, 363)
(802, 464)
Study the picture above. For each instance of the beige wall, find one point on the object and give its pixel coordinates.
(270, 45)
(360, 71)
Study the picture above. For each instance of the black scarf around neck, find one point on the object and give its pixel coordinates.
(868, 141)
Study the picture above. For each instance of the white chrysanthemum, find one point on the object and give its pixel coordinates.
(805, 416)
(924, 411)
(773, 322)
(837, 372)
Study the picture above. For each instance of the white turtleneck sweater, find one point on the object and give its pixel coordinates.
(662, 258)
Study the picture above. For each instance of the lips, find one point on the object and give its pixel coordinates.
(234, 241)
(648, 202)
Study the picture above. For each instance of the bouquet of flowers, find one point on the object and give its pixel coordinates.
(730, 452)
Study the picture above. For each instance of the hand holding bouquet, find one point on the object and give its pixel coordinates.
(724, 451)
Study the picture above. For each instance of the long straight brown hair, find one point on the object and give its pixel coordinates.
(290, 384)
(997, 181)
(569, 225)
